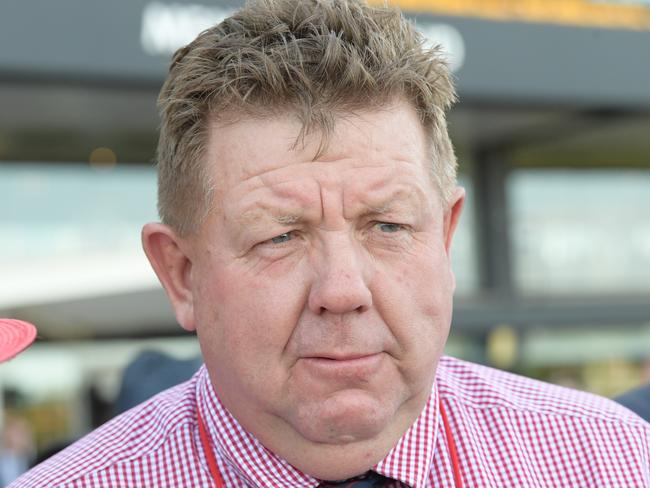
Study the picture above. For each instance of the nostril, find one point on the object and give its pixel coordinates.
(339, 288)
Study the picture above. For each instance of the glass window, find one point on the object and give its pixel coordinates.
(463, 253)
(73, 230)
(580, 231)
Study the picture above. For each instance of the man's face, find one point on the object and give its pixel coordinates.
(322, 289)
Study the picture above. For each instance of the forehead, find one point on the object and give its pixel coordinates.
(383, 144)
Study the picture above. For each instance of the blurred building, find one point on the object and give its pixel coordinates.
(552, 133)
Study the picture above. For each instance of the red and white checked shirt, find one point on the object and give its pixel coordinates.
(509, 432)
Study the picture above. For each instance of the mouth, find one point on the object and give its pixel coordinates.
(342, 357)
(360, 365)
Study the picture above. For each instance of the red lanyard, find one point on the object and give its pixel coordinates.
(209, 453)
(218, 481)
(451, 445)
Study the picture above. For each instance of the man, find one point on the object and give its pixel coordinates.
(308, 198)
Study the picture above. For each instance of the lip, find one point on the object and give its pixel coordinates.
(341, 357)
(348, 365)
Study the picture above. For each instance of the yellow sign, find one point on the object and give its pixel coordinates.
(622, 14)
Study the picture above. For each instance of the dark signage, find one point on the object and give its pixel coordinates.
(131, 41)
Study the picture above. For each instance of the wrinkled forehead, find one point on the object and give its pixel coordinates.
(245, 146)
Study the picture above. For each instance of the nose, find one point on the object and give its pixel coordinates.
(341, 282)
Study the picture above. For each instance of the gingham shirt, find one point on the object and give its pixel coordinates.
(509, 431)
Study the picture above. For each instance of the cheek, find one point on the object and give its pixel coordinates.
(425, 280)
(243, 328)
(414, 297)
(248, 314)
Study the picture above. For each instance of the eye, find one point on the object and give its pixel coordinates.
(389, 227)
(282, 238)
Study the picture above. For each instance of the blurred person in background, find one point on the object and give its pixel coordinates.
(17, 451)
(638, 399)
(308, 198)
(17, 448)
(149, 373)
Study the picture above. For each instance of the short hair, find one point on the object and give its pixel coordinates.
(316, 58)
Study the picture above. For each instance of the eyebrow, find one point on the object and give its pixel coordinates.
(286, 219)
(398, 198)
(256, 214)
(384, 208)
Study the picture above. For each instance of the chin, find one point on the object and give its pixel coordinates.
(345, 417)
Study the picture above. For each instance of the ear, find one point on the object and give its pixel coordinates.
(452, 216)
(169, 259)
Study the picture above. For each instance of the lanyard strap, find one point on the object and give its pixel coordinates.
(218, 481)
(209, 453)
(451, 445)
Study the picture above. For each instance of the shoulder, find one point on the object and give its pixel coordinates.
(125, 440)
(637, 400)
(480, 387)
(512, 430)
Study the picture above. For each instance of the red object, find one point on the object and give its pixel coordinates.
(15, 335)
(451, 445)
(207, 449)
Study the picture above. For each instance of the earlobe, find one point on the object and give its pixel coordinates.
(453, 215)
(168, 257)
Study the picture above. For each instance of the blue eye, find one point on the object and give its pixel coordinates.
(287, 236)
(388, 227)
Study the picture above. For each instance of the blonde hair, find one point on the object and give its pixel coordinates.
(318, 59)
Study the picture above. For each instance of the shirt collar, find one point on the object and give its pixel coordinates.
(409, 461)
